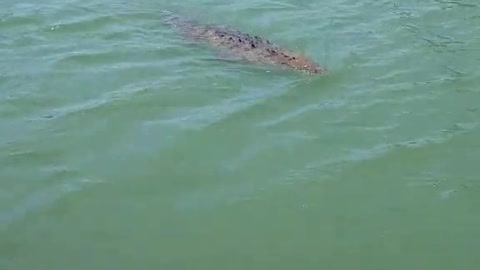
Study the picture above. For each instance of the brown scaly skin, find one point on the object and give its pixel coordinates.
(251, 48)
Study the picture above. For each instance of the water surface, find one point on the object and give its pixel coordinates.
(124, 146)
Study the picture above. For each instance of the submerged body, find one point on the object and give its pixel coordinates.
(250, 48)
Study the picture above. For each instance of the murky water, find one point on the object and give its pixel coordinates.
(125, 146)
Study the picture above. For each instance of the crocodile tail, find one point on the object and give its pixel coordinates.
(176, 20)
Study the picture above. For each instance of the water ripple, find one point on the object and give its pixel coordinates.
(42, 199)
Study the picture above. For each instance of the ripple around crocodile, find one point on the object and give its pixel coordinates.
(248, 47)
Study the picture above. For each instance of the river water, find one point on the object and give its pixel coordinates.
(125, 146)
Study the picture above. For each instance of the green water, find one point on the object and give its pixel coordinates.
(123, 146)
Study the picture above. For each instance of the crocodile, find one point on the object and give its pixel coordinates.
(252, 48)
